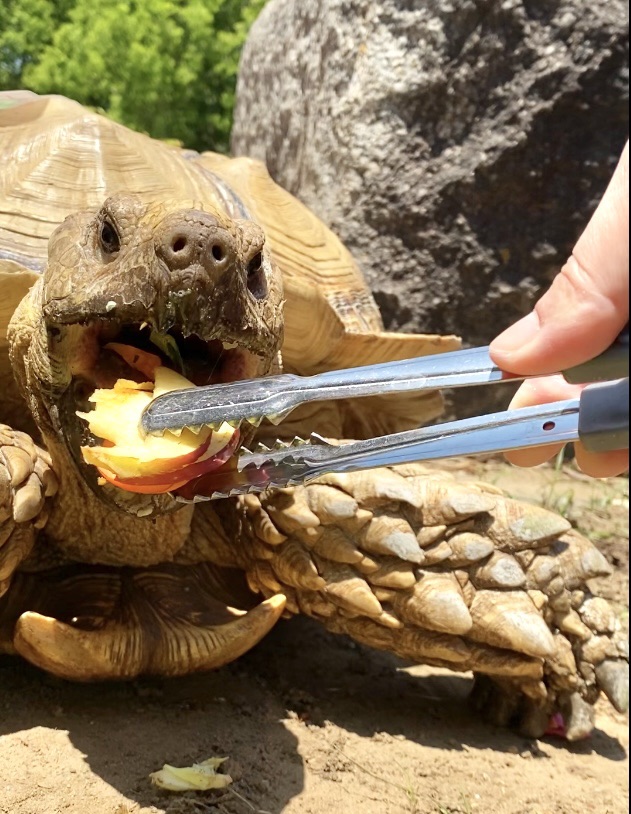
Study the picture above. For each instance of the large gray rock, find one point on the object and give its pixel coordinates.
(458, 147)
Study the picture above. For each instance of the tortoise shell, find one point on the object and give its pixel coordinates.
(59, 157)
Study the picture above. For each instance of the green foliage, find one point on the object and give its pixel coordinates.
(165, 67)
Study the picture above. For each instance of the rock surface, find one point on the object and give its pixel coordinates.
(456, 147)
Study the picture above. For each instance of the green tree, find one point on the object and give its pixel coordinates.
(26, 28)
(165, 67)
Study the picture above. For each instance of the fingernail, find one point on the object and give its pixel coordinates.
(518, 335)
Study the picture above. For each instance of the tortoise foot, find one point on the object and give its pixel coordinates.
(27, 481)
(94, 624)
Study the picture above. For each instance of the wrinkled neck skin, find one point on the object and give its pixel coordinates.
(82, 527)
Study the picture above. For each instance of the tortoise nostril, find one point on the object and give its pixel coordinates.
(194, 240)
(256, 280)
(255, 263)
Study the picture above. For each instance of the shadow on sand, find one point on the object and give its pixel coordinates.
(125, 731)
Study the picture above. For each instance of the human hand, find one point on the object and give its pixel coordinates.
(581, 314)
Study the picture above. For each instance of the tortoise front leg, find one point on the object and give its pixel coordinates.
(26, 481)
(452, 575)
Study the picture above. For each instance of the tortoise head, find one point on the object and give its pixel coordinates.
(192, 275)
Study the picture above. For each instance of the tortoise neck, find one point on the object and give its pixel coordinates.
(84, 528)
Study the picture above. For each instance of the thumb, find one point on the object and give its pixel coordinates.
(587, 304)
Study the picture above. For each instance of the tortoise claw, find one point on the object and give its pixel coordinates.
(93, 623)
(118, 652)
(613, 678)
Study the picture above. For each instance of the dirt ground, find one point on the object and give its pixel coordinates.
(314, 724)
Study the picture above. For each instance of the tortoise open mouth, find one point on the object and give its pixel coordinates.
(202, 361)
(97, 362)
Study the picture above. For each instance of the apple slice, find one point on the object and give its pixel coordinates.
(139, 486)
(169, 481)
(167, 380)
(126, 453)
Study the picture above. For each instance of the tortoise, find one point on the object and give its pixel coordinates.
(104, 231)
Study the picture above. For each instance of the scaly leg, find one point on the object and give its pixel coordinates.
(459, 576)
(26, 481)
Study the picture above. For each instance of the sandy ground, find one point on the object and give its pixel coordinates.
(314, 724)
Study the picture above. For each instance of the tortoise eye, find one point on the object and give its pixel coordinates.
(108, 237)
(256, 282)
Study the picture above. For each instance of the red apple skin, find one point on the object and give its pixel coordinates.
(160, 466)
(175, 479)
(137, 486)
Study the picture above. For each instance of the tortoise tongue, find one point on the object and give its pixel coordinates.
(113, 364)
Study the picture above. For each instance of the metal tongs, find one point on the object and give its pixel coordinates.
(599, 418)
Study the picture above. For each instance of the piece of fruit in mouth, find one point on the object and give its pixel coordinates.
(149, 464)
